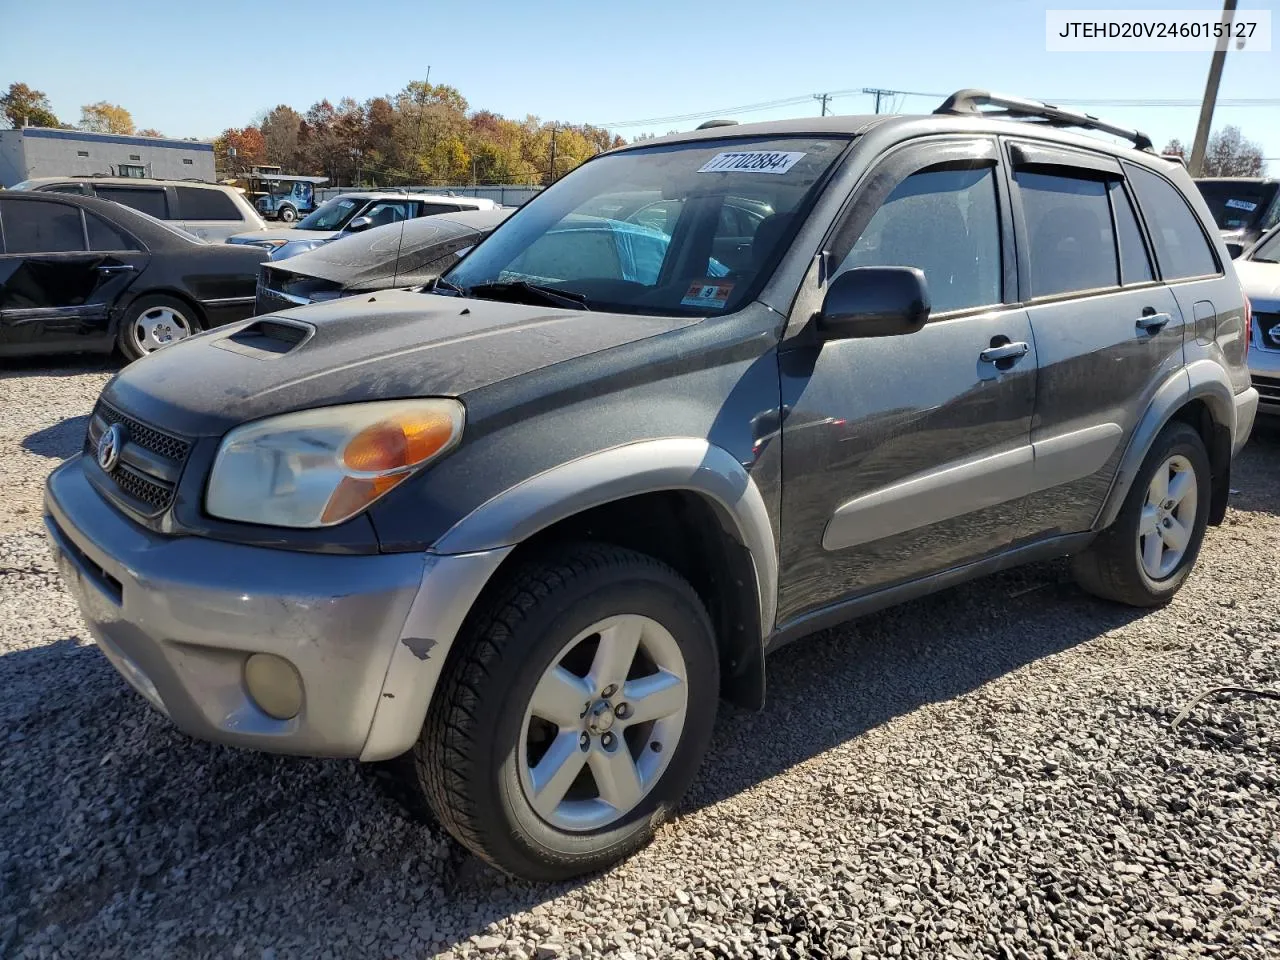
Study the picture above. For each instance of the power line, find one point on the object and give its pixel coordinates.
(871, 91)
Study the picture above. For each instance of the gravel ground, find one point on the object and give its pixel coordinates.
(989, 772)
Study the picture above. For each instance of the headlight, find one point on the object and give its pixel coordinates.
(291, 248)
(317, 468)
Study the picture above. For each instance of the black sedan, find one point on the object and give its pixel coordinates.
(410, 253)
(83, 274)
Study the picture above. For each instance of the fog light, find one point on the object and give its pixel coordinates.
(273, 685)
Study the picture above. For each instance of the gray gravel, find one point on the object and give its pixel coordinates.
(990, 772)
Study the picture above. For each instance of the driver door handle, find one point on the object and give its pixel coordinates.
(1006, 351)
(1152, 322)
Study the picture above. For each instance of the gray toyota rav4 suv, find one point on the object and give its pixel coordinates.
(515, 537)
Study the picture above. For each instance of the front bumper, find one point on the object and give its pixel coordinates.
(178, 617)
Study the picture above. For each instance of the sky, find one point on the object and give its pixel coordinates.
(193, 69)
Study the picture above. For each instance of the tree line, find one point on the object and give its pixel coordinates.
(425, 134)
(428, 134)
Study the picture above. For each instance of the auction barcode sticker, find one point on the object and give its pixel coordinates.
(751, 161)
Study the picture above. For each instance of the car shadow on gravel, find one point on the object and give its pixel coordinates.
(68, 365)
(59, 441)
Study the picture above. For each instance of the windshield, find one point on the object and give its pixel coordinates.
(687, 228)
(1269, 249)
(332, 215)
(1237, 204)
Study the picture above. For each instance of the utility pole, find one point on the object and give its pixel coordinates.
(822, 98)
(879, 94)
(1211, 90)
(553, 153)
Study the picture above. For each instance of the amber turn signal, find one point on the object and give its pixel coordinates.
(401, 441)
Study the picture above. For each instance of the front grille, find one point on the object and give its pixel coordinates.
(1268, 388)
(142, 482)
(1269, 329)
(166, 445)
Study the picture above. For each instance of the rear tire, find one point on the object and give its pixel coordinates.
(1146, 555)
(155, 321)
(572, 715)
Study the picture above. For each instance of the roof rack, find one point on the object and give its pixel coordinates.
(710, 124)
(968, 103)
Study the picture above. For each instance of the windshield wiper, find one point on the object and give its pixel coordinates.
(522, 291)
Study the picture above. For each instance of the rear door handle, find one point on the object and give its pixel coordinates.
(1152, 322)
(1006, 351)
(109, 268)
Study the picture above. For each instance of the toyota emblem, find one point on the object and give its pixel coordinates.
(109, 445)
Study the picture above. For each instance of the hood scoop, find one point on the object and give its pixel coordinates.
(267, 338)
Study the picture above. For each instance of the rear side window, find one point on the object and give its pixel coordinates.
(104, 236)
(199, 204)
(944, 222)
(1072, 245)
(1181, 248)
(427, 209)
(148, 200)
(42, 227)
(1135, 265)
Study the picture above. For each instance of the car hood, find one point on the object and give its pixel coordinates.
(386, 345)
(1261, 283)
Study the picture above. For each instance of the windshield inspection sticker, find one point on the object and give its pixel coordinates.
(751, 161)
(713, 295)
(1242, 205)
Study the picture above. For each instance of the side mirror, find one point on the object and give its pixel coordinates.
(874, 302)
(358, 224)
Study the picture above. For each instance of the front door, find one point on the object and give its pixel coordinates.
(906, 455)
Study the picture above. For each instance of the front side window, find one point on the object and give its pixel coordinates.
(1181, 247)
(332, 215)
(1268, 250)
(1073, 247)
(946, 223)
(575, 239)
(389, 211)
(42, 227)
(149, 201)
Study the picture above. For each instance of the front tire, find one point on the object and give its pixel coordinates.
(287, 215)
(1144, 558)
(572, 715)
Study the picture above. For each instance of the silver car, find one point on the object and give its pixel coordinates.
(1259, 272)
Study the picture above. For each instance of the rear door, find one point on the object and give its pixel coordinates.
(60, 271)
(1107, 332)
(208, 213)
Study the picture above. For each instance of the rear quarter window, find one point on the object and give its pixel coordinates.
(197, 203)
(1182, 250)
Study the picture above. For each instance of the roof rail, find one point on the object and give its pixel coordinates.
(968, 103)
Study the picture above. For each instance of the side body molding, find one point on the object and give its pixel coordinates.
(676, 463)
(1199, 380)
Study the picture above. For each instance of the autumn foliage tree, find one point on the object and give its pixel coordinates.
(22, 105)
(425, 134)
(103, 117)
